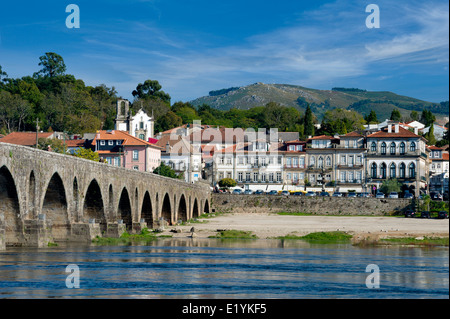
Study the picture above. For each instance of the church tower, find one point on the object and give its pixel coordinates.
(122, 117)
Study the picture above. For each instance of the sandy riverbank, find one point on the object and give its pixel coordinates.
(272, 225)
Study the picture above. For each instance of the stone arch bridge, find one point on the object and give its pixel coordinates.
(46, 197)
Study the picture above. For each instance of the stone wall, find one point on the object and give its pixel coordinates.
(314, 205)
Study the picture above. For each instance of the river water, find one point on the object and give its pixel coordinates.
(213, 268)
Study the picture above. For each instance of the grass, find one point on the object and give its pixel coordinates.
(126, 238)
(320, 237)
(426, 241)
(234, 234)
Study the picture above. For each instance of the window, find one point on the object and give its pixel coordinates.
(292, 147)
(247, 177)
(402, 148)
(119, 142)
(412, 170)
(110, 142)
(302, 162)
(288, 162)
(328, 161)
(383, 171)
(343, 175)
(392, 148)
(228, 174)
(412, 147)
(343, 159)
(373, 147)
(359, 160)
(320, 162)
(271, 177)
(392, 171)
(279, 159)
(278, 177)
(312, 161)
(373, 170)
(142, 136)
(102, 142)
(351, 160)
(295, 161)
(347, 143)
(109, 160)
(241, 160)
(240, 177)
(255, 177)
(141, 125)
(229, 160)
(383, 148)
(300, 148)
(302, 176)
(135, 155)
(350, 176)
(401, 170)
(295, 177)
(288, 176)
(136, 168)
(263, 177)
(117, 161)
(358, 177)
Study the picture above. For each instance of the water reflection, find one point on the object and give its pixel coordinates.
(215, 268)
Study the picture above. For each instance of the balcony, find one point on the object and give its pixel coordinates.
(351, 166)
(293, 166)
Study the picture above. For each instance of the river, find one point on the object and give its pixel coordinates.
(213, 268)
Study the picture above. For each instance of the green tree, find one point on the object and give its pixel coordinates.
(414, 115)
(87, 153)
(56, 145)
(427, 118)
(395, 115)
(308, 122)
(227, 182)
(371, 117)
(165, 170)
(168, 121)
(3, 74)
(52, 65)
(391, 185)
(341, 121)
(430, 135)
(152, 89)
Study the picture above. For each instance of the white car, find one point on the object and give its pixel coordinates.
(380, 195)
(393, 195)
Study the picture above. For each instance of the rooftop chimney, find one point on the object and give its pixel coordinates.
(416, 130)
(396, 128)
(389, 128)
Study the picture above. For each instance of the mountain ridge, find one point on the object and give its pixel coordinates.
(289, 95)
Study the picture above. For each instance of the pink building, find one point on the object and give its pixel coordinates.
(119, 148)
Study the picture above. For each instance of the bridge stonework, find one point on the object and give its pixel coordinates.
(47, 197)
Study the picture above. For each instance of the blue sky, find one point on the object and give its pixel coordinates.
(194, 46)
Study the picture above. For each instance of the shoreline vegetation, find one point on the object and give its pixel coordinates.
(320, 237)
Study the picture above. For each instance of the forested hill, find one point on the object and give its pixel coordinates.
(320, 101)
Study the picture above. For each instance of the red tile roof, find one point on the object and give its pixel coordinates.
(322, 137)
(24, 138)
(402, 133)
(128, 139)
(352, 134)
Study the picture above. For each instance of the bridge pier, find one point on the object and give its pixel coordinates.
(37, 232)
(85, 231)
(2, 233)
(138, 227)
(115, 230)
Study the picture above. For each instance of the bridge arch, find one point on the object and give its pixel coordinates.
(31, 195)
(9, 206)
(195, 210)
(75, 191)
(147, 211)
(206, 207)
(166, 209)
(124, 210)
(54, 207)
(182, 209)
(93, 207)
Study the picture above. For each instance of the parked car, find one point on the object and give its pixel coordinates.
(351, 194)
(410, 213)
(436, 196)
(237, 191)
(380, 195)
(285, 193)
(324, 194)
(337, 194)
(393, 195)
(425, 214)
(272, 192)
(364, 195)
(259, 192)
(248, 192)
(297, 193)
(442, 215)
(310, 194)
(408, 196)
